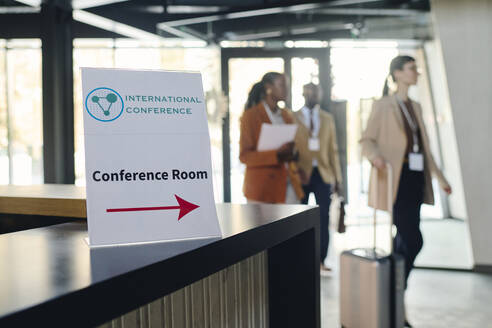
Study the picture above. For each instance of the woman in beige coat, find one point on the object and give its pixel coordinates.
(396, 134)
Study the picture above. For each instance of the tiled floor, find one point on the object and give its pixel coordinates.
(450, 299)
(446, 242)
(435, 298)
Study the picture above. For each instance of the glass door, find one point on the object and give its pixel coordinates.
(304, 70)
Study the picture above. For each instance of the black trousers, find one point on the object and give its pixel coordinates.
(406, 210)
(322, 193)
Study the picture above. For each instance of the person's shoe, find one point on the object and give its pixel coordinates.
(324, 270)
(407, 324)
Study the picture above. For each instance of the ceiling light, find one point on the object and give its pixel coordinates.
(113, 26)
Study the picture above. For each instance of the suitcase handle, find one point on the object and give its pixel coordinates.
(389, 170)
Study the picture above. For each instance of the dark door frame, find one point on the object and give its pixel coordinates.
(321, 54)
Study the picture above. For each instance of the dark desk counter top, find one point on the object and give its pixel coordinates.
(52, 273)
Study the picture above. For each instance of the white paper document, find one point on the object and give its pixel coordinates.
(272, 136)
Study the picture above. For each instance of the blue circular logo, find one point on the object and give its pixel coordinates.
(104, 104)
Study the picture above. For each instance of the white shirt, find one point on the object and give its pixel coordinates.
(275, 118)
(316, 123)
(307, 119)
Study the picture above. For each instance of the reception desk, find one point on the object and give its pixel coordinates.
(263, 272)
(27, 207)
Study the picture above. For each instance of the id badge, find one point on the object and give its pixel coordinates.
(416, 161)
(313, 144)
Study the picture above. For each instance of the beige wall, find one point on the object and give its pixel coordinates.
(447, 133)
(464, 31)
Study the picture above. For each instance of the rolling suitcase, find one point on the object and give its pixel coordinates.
(372, 283)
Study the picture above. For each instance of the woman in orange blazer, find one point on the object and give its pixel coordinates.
(271, 176)
(396, 134)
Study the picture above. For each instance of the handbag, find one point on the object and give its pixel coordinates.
(337, 212)
(341, 217)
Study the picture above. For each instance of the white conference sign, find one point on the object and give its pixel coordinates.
(147, 157)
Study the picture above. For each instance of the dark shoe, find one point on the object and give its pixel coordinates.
(407, 324)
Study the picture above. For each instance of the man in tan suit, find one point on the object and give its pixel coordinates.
(319, 164)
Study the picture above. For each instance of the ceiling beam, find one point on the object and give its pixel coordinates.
(75, 4)
(32, 3)
(107, 24)
(19, 10)
(243, 21)
(261, 12)
(171, 9)
(369, 12)
(184, 32)
(297, 20)
(104, 23)
(85, 4)
(293, 30)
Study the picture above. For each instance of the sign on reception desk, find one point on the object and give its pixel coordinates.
(147, 155)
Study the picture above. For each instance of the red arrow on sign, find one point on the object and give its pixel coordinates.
(184, 208)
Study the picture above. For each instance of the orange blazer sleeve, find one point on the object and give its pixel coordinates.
(248, 141)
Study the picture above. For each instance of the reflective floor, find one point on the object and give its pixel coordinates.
(435, 298)
(446, 242)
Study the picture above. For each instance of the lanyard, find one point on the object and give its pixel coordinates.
(411, 122)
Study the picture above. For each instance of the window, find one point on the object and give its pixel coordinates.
(21, 127)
